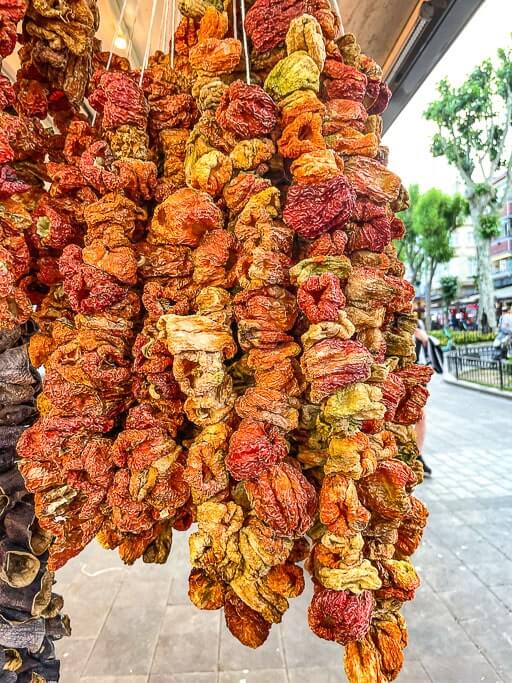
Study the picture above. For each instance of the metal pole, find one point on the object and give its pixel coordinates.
(338, 13)
(235, 27)
(130, 42)
(163, 35)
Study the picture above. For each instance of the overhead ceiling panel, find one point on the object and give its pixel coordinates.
(377, 25)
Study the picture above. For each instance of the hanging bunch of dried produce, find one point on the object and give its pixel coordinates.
(165, 271)
(268, 389)
(351, 290)
(23, 145)
(57, 53)
(30, 612)
(57, 221)
(88, 376)
(252, 580)
(30, 620)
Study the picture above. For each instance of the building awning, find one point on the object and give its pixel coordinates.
(426, 36)
(501, 295)
(504, 293)
(469, 299)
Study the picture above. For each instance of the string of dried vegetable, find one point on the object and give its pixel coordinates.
(30, 612)
(253, 579)
(268, 390)
(31, 233)
(350, 288)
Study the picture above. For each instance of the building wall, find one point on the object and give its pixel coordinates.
(501, 247)
(463, 264)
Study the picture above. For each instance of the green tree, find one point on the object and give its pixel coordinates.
(435, 217)
(474, 121)
(409, 248)
(449, 290)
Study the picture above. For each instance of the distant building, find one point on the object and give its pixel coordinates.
(462, 266)
(501, 251)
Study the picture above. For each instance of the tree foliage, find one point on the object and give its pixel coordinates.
(409, 248)
(474, 120)
(449, 289)
(435, 217)
(473, 123)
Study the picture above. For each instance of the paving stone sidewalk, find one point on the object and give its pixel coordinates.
(135, 625)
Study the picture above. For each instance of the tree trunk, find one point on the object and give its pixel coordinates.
(485, 281)
(414, 274)
(428, 296)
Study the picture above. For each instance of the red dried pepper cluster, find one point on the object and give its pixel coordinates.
(111, 404)
(241, 553)
(226, 328)
(363, 387)
(56, 55)
(21, 138)
(30, 611)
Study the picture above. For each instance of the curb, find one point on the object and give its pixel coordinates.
(450, 379)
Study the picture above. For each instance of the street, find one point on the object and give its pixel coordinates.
(136, 625)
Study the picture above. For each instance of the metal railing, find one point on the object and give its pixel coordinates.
(483, 351)
(478, 367)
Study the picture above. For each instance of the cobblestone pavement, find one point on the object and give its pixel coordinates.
(135, 625)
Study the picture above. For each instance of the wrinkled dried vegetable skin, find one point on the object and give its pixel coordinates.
(239, 348)
(231, 136)
(128, 487)
(364, 497)
(31, 612)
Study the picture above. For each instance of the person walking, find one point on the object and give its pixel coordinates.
(421, 341)
(505, 321)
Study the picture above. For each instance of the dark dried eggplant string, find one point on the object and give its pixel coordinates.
(30, 618)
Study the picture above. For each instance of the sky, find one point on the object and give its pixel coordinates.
(410, 135)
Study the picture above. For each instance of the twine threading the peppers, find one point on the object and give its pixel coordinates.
(163, 30)
(148, 41)
(173, 27)
(246, 47)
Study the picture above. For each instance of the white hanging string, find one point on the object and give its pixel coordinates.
(163, 41)
(148, 41)
(246, 48)
(235, 27)
(338, 12)
(114, 36)
(116, 33)
(173, 28)
(132, 30)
